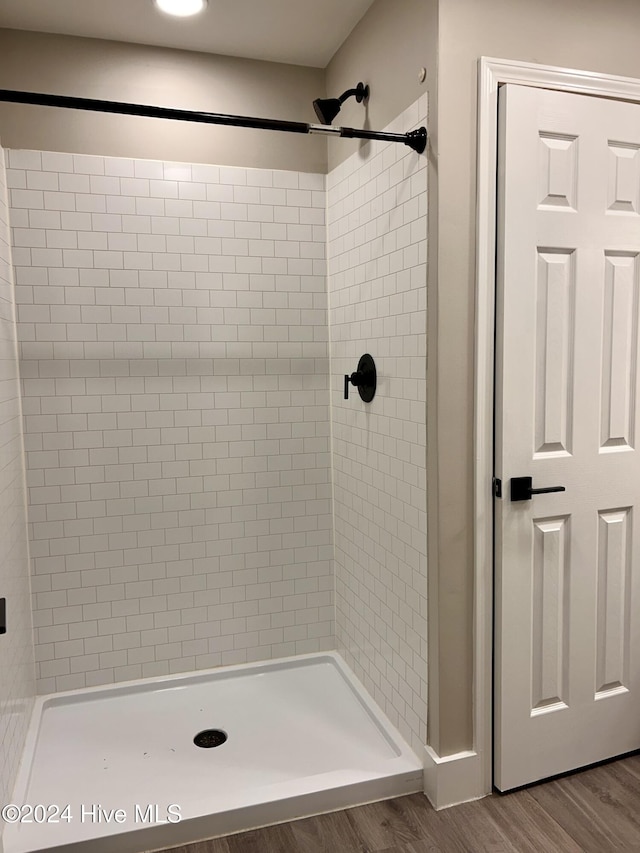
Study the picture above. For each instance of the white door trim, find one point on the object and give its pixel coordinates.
(493, 72)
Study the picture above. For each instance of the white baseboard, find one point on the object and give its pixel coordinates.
(453, 779)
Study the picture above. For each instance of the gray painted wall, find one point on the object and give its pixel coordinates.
(583, 34)
(151, 75)
(386, 49)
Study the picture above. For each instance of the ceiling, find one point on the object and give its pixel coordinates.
(302, 32)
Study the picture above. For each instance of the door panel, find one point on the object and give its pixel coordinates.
(567, 650)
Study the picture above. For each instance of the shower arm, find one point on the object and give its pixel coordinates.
(415, 139)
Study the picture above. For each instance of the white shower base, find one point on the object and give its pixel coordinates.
(303, 738)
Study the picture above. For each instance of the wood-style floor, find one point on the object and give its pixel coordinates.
(594, 811)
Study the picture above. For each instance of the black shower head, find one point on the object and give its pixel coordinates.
(328, 108)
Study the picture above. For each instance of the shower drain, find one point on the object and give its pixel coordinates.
(210, 738)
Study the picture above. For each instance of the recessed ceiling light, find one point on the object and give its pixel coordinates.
(181, 8)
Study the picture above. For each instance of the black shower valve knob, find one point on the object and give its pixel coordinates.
(355, 379)
(364, 379)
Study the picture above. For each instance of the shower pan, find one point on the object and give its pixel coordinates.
(116, 770)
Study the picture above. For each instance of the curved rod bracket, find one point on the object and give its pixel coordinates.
(361, 93)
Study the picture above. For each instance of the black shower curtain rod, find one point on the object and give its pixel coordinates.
(415, 139)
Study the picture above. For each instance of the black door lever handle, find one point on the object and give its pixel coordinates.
(521, 489)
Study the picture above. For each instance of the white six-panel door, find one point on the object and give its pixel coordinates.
(567, 646)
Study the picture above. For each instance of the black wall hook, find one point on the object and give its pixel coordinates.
(365, 379)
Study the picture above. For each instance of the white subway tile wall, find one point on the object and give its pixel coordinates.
(17, 682)
(377, 253)
(173, 333)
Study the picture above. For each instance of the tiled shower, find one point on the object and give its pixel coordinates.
(199, 492)
(173, 331)
(16, 661)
